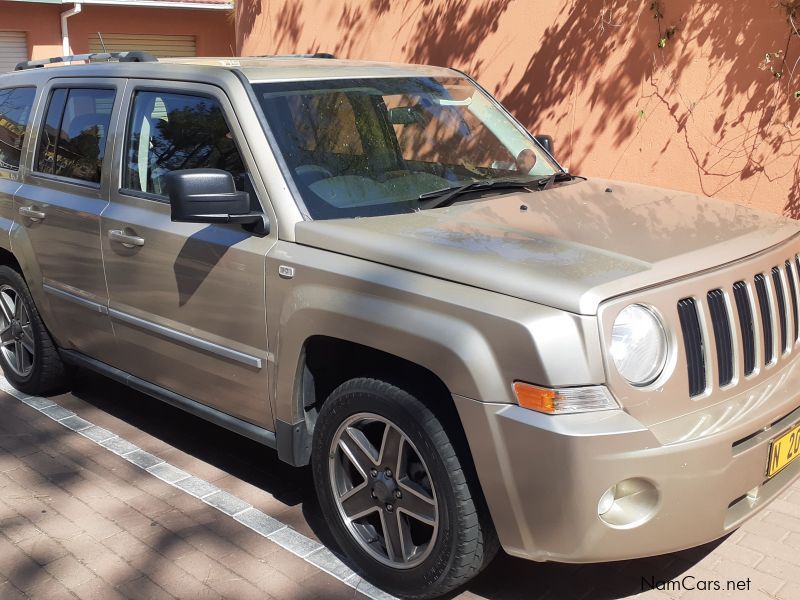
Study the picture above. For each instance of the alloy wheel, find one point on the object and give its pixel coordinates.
(16, 333)
(383, 490)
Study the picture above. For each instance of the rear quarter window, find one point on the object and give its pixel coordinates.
(16, 105)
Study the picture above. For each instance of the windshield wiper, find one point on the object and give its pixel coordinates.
(547, 182)
(447, 195)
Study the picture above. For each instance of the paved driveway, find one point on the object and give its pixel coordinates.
(145, 501)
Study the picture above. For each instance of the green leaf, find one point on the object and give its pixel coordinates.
(797, 94)
(662, 42)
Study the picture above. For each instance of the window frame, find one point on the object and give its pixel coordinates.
(118, 87)
(28, 127)
(178, 88)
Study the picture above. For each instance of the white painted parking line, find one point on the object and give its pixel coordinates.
(227, 504)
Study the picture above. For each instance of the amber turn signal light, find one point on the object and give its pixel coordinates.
(563, 400)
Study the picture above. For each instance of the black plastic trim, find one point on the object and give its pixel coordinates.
(693, 345)
(722, 335)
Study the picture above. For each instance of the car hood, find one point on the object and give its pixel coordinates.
(569, 247)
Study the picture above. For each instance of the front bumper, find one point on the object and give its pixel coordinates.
(543, 475)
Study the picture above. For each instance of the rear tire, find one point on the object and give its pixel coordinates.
(380, 453)
(28, 356)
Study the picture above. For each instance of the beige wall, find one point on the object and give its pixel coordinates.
(699, 115)
(42, 23)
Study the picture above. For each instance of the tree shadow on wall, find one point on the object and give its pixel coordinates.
(606, 52)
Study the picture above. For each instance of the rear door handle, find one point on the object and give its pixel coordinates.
(31, 213)
(129, 241)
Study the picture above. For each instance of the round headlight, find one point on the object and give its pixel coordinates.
(639, 345)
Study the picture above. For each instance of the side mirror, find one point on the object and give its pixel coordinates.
(546, 142)
(208, 196)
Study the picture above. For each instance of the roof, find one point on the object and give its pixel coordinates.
(277, 68)
(190, 4)
(255, 69)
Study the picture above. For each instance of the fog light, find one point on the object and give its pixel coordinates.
(629, 503)
(606, 500)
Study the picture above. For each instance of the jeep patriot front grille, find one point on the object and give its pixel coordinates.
(756, 319)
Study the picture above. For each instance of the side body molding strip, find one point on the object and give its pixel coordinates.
(178, 336)
(189, 340)
(254, 432)
(80, 300)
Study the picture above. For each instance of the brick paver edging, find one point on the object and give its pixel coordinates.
(261, 523)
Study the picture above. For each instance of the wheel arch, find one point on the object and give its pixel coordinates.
(326, 362)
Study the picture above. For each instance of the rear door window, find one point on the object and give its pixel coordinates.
(75, 132)
(15, 110)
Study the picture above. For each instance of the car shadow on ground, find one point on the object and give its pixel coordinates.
(506, 578)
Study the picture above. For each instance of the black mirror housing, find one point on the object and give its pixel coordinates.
(546, 142)
(205, 196)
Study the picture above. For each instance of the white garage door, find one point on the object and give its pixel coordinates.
(160, 46)
(13, 49)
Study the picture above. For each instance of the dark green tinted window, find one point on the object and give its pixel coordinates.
(168, 132)
(15, 110)
(74, 138)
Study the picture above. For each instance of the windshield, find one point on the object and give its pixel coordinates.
(366, 147)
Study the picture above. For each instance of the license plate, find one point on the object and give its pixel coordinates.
(783, 450)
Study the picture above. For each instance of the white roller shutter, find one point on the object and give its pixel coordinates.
(160, 46)
(13, 49)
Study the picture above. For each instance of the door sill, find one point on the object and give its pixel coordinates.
(248, 430)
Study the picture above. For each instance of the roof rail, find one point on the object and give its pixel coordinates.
(311, 55)
(135, 56)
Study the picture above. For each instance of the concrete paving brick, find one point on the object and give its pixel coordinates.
(196, 487)
(96, 589)
(42, 548)
(34, 402)
(18, 528)
(226, 502)
(57, 413)
(295, 542)
(143, 459)
(328, 561)
(96, 434)
(780, 569)
(259, 522)
(761, 580)
(76, 423)
(119, 446)
(142, 589)
(771, 548)
(9, 592)
(69, 572)
(167, 472)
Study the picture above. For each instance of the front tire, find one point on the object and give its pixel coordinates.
(28, 356)
(396, 492)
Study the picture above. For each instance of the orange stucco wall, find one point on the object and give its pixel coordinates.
(699, 115)
(214, 30)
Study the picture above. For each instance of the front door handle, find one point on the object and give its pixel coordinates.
(32, 213)
(129, 241)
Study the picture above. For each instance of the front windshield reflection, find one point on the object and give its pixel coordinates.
(364, 147)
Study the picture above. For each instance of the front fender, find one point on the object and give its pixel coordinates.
(476, 341)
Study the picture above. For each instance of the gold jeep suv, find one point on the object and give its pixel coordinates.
(373, 268)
